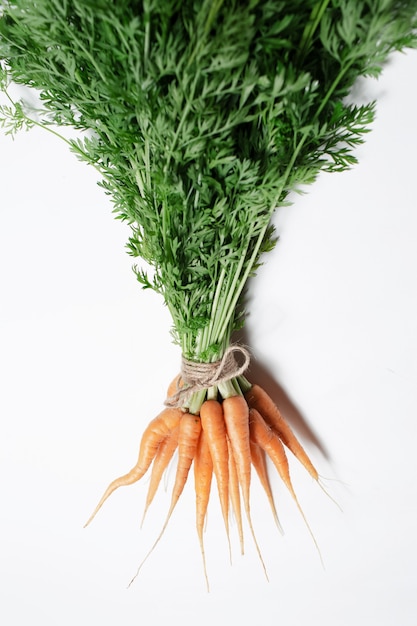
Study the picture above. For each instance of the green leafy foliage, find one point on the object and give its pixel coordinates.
(12, 116)
(202, 116)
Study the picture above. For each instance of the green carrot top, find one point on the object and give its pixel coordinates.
(201, 116)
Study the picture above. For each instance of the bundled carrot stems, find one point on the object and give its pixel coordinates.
(202, 117)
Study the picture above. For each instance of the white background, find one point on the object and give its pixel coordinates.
(85, 358)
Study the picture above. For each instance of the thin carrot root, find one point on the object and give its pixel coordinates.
(259, 463)
(323, 488)
(235, 498)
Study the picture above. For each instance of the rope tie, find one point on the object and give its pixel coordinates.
(196, 376)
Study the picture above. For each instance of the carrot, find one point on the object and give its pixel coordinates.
(235, 496)
(163, 457)
(158, 429)
(174, 385)
(189, 433)
(258, 399)
(203, 472)
(236, 416)
(212, 422)
(188, 436)
(259, 463)
(263, 435)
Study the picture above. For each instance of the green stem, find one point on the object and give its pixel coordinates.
(208, 331)
(244, 384)
(228, 307)
(212, 393)
(227, 389)
(316, 14)
(196, 401)
(332, 88)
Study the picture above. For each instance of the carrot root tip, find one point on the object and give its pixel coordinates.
(323, 488)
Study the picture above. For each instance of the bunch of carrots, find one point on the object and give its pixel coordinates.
(228, 436)
(202, 117)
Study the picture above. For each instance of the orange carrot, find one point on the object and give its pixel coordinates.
(258, 399)
(163, 457)
(212, 422)
(188, 436)
(174, 385)
(189, 433)
(259, 463)
(263, 435)
(158, 429)
(203, 472)
(236, 416)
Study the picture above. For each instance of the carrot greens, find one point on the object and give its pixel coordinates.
(202, 118)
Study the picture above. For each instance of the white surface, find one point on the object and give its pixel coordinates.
(85, 359)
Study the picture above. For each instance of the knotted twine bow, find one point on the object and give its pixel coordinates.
(196, 376)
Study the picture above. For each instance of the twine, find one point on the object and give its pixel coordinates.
(196, 376)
